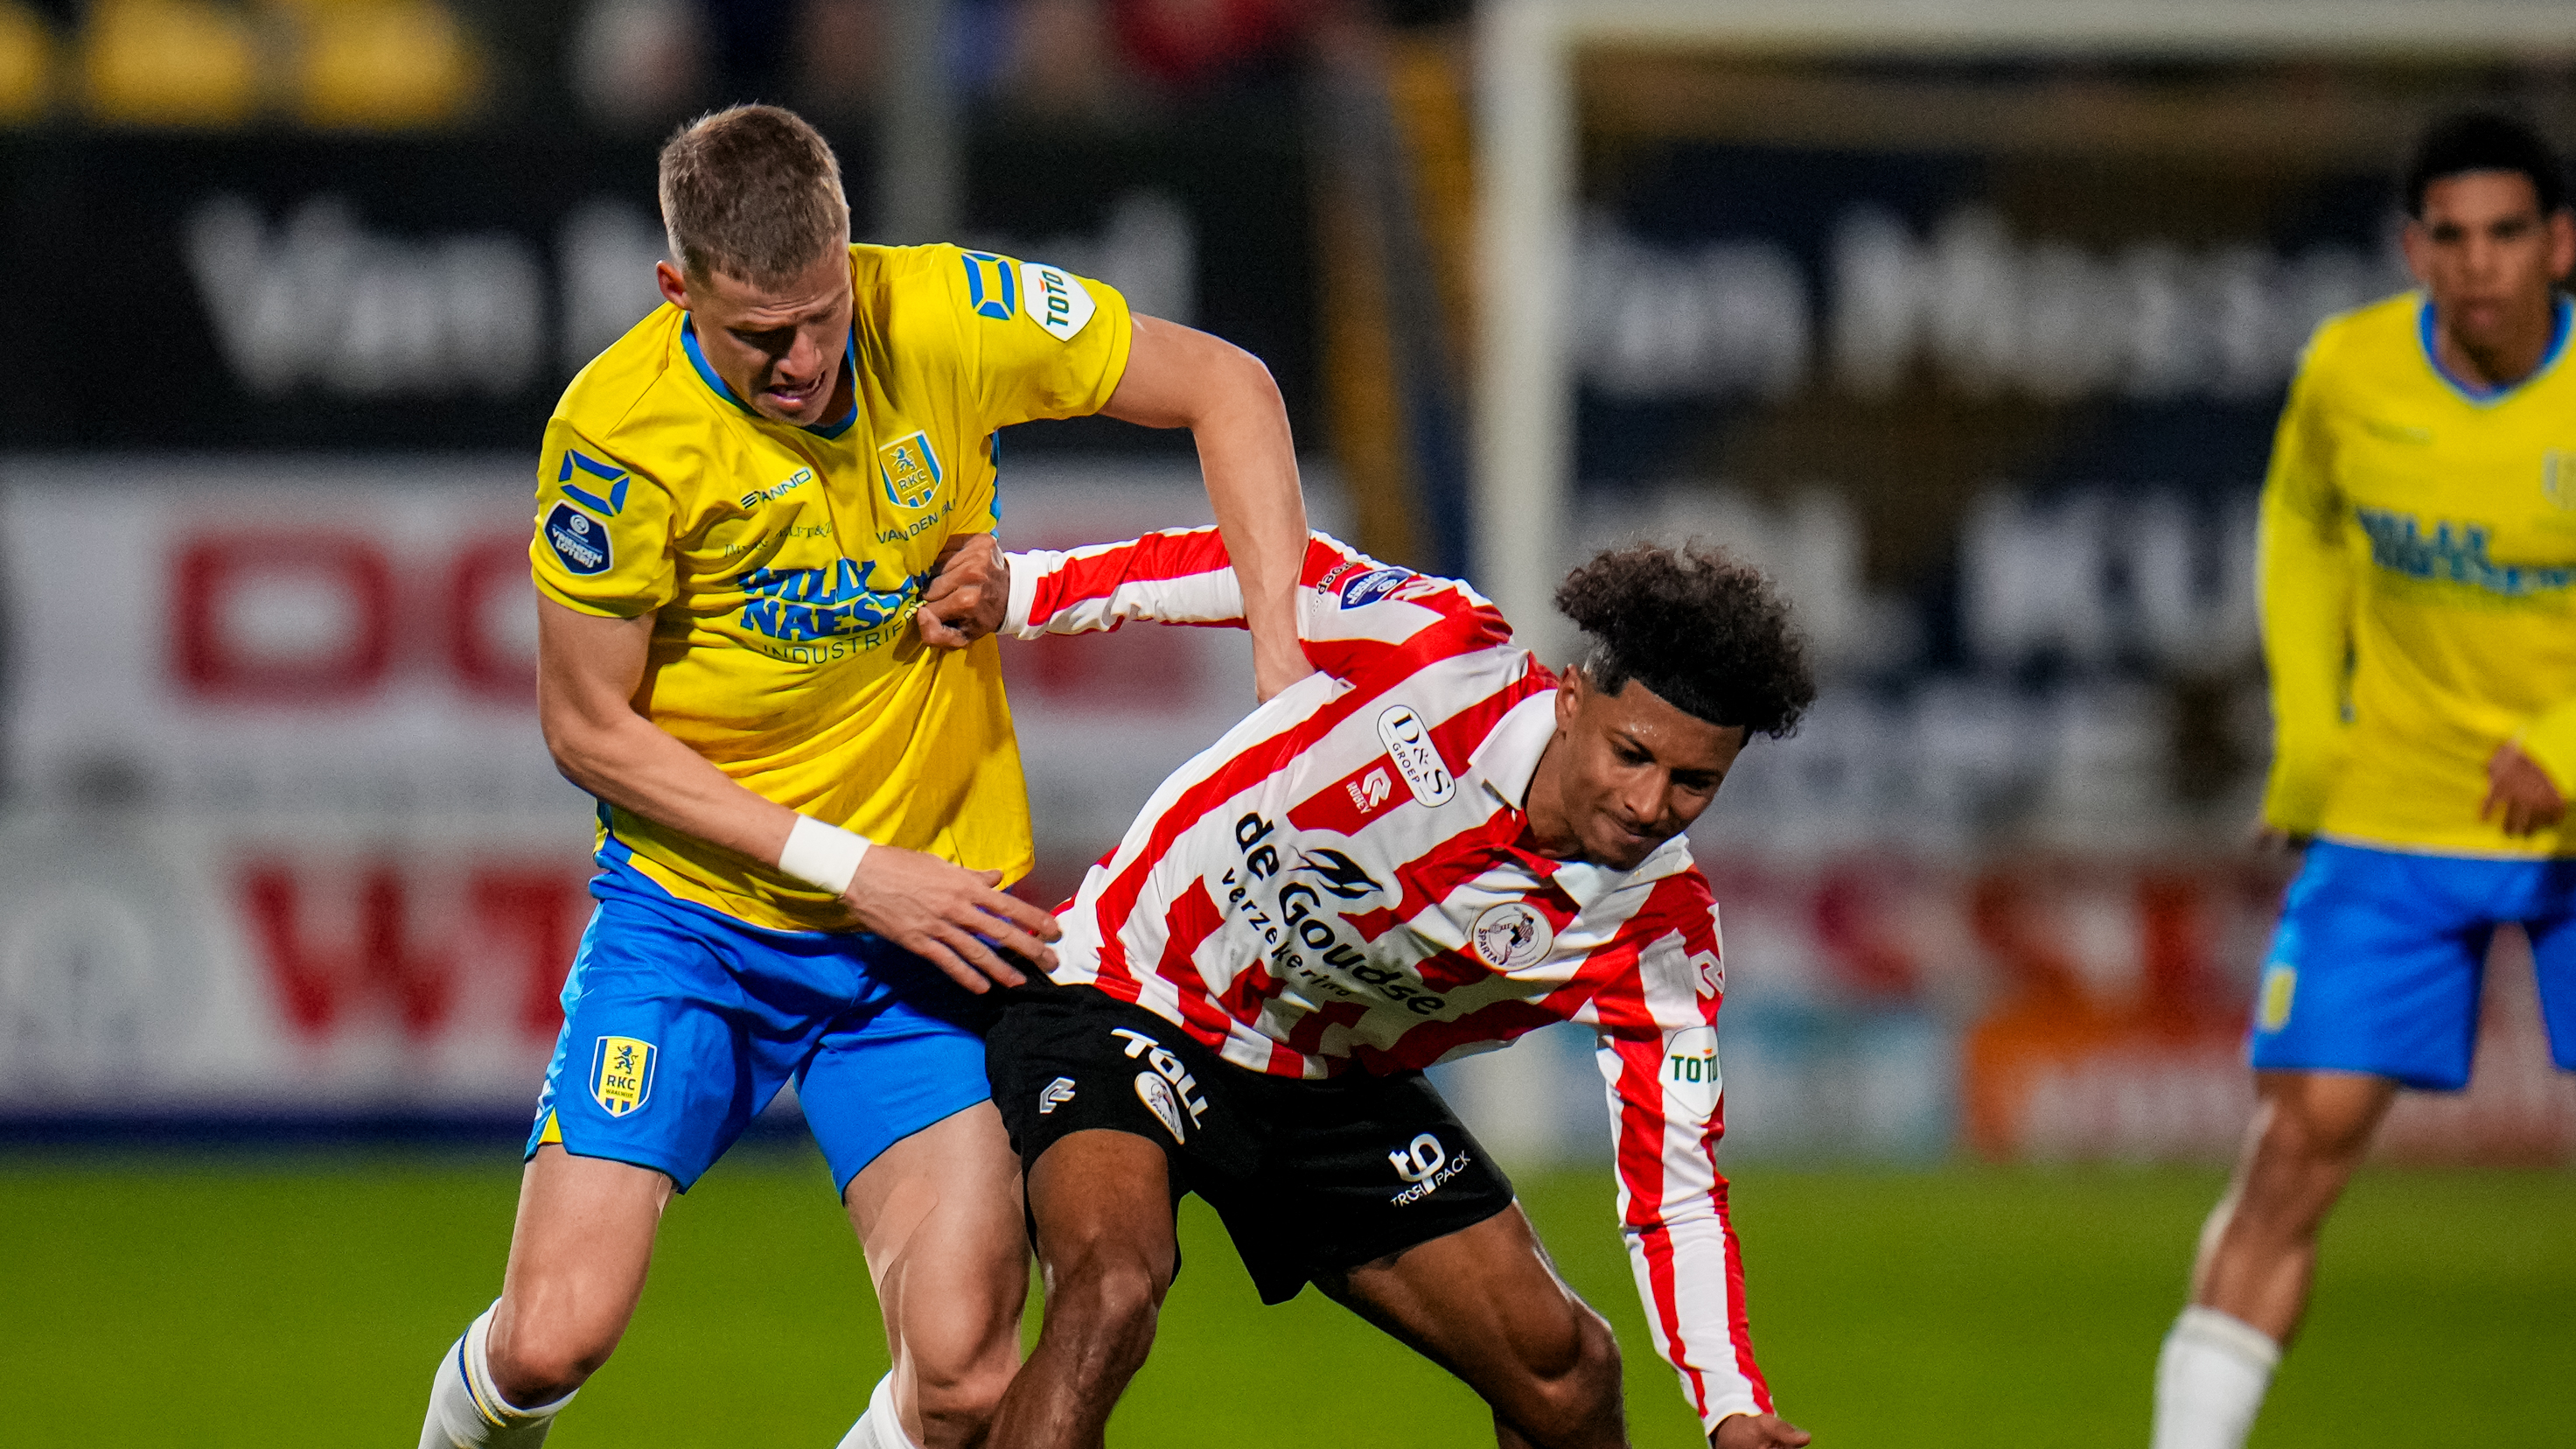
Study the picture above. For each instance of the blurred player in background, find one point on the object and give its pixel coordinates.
(763, 542)
(1427, 849)
(2418, 557)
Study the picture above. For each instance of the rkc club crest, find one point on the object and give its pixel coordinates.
(911, 471)
(621, 1074)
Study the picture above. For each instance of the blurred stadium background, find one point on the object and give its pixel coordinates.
(1969, 320)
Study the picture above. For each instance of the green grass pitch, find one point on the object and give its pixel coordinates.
(286, 1301)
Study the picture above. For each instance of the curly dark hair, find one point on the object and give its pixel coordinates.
(1708, 635)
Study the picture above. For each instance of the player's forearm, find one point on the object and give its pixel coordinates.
(636, 766)
(1250, 464)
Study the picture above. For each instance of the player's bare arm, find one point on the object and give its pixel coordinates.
(588, 669)
(1178, 377)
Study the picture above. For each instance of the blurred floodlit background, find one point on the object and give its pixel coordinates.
(1970, 322)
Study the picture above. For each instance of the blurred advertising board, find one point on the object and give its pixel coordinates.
(1983, 359)
(332, 292)
(282, 834)
(282, 838)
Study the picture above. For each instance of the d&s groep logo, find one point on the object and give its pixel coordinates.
(1408, 745)
(621, 1074)
(910, 468)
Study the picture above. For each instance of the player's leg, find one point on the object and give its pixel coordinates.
(896, 1096)
(578, 1255)
(2372, 984)
(2258, 1250)
(648, 1086)
(1102, 1203)
(938, 1215)
(1484, 1303)
(1111, 1110)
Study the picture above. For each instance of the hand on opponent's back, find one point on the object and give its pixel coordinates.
(969, 590)
(950, 916)
(1757, 1431)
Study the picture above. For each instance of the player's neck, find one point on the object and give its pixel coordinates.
(2508, 360)
(1550, 826)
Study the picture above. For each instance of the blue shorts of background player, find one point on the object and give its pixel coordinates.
(681, 1023)
(2381, 956)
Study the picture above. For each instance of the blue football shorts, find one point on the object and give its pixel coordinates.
(2381, 955)
(681, 1023)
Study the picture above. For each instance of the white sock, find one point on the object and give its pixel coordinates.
(880, 1427)
(467, 1412)
(2210, 1380)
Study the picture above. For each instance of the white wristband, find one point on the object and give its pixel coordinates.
(822, 855)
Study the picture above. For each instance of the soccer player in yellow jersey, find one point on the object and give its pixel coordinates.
(764, 549)
(2419, 618)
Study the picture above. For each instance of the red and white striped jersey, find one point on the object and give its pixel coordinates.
(1346, 877)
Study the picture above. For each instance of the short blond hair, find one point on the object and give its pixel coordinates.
(753, 192)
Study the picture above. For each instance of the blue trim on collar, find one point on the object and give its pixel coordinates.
(828, 432)
(2562, 324)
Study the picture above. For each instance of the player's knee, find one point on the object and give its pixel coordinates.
(2316, 1137)
(1108, 1298)
(962, 1398)
(1576, 1374)
(540, 1363)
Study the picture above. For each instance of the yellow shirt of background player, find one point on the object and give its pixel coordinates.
(2426, 534)
(786, 562)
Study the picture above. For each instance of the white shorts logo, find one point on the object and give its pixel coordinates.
(1424, 1165)
(1054, 1094)
(1512, 936)
(1055, 300)
(1157, 1096)
(1421, 1158)
(1408, 744)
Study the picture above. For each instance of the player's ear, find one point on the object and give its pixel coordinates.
(2562, 243)
(675, 288)
(1572, 688)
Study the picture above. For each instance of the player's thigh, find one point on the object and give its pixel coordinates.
(1483, 1302)
(578, 1255)
(2376, 966)
(938, 1215)
(2551, 924)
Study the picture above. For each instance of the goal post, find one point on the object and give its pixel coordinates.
(1528, 147)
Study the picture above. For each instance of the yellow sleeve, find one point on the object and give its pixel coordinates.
(2551, 741)
(603, 540)
(1037, 341)
(2306, 582)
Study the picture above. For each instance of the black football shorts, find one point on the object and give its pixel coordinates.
(1312, 1178)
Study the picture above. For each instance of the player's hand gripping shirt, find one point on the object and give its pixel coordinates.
(1346, 878)
(2419, 587)
(783, 563)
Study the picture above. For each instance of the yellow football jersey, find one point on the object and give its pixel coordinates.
(2419, 587)
(783, 563)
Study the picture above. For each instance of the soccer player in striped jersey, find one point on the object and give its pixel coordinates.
(2419, 617)
(1427, 848)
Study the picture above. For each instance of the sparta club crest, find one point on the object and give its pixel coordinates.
(1511, 936)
